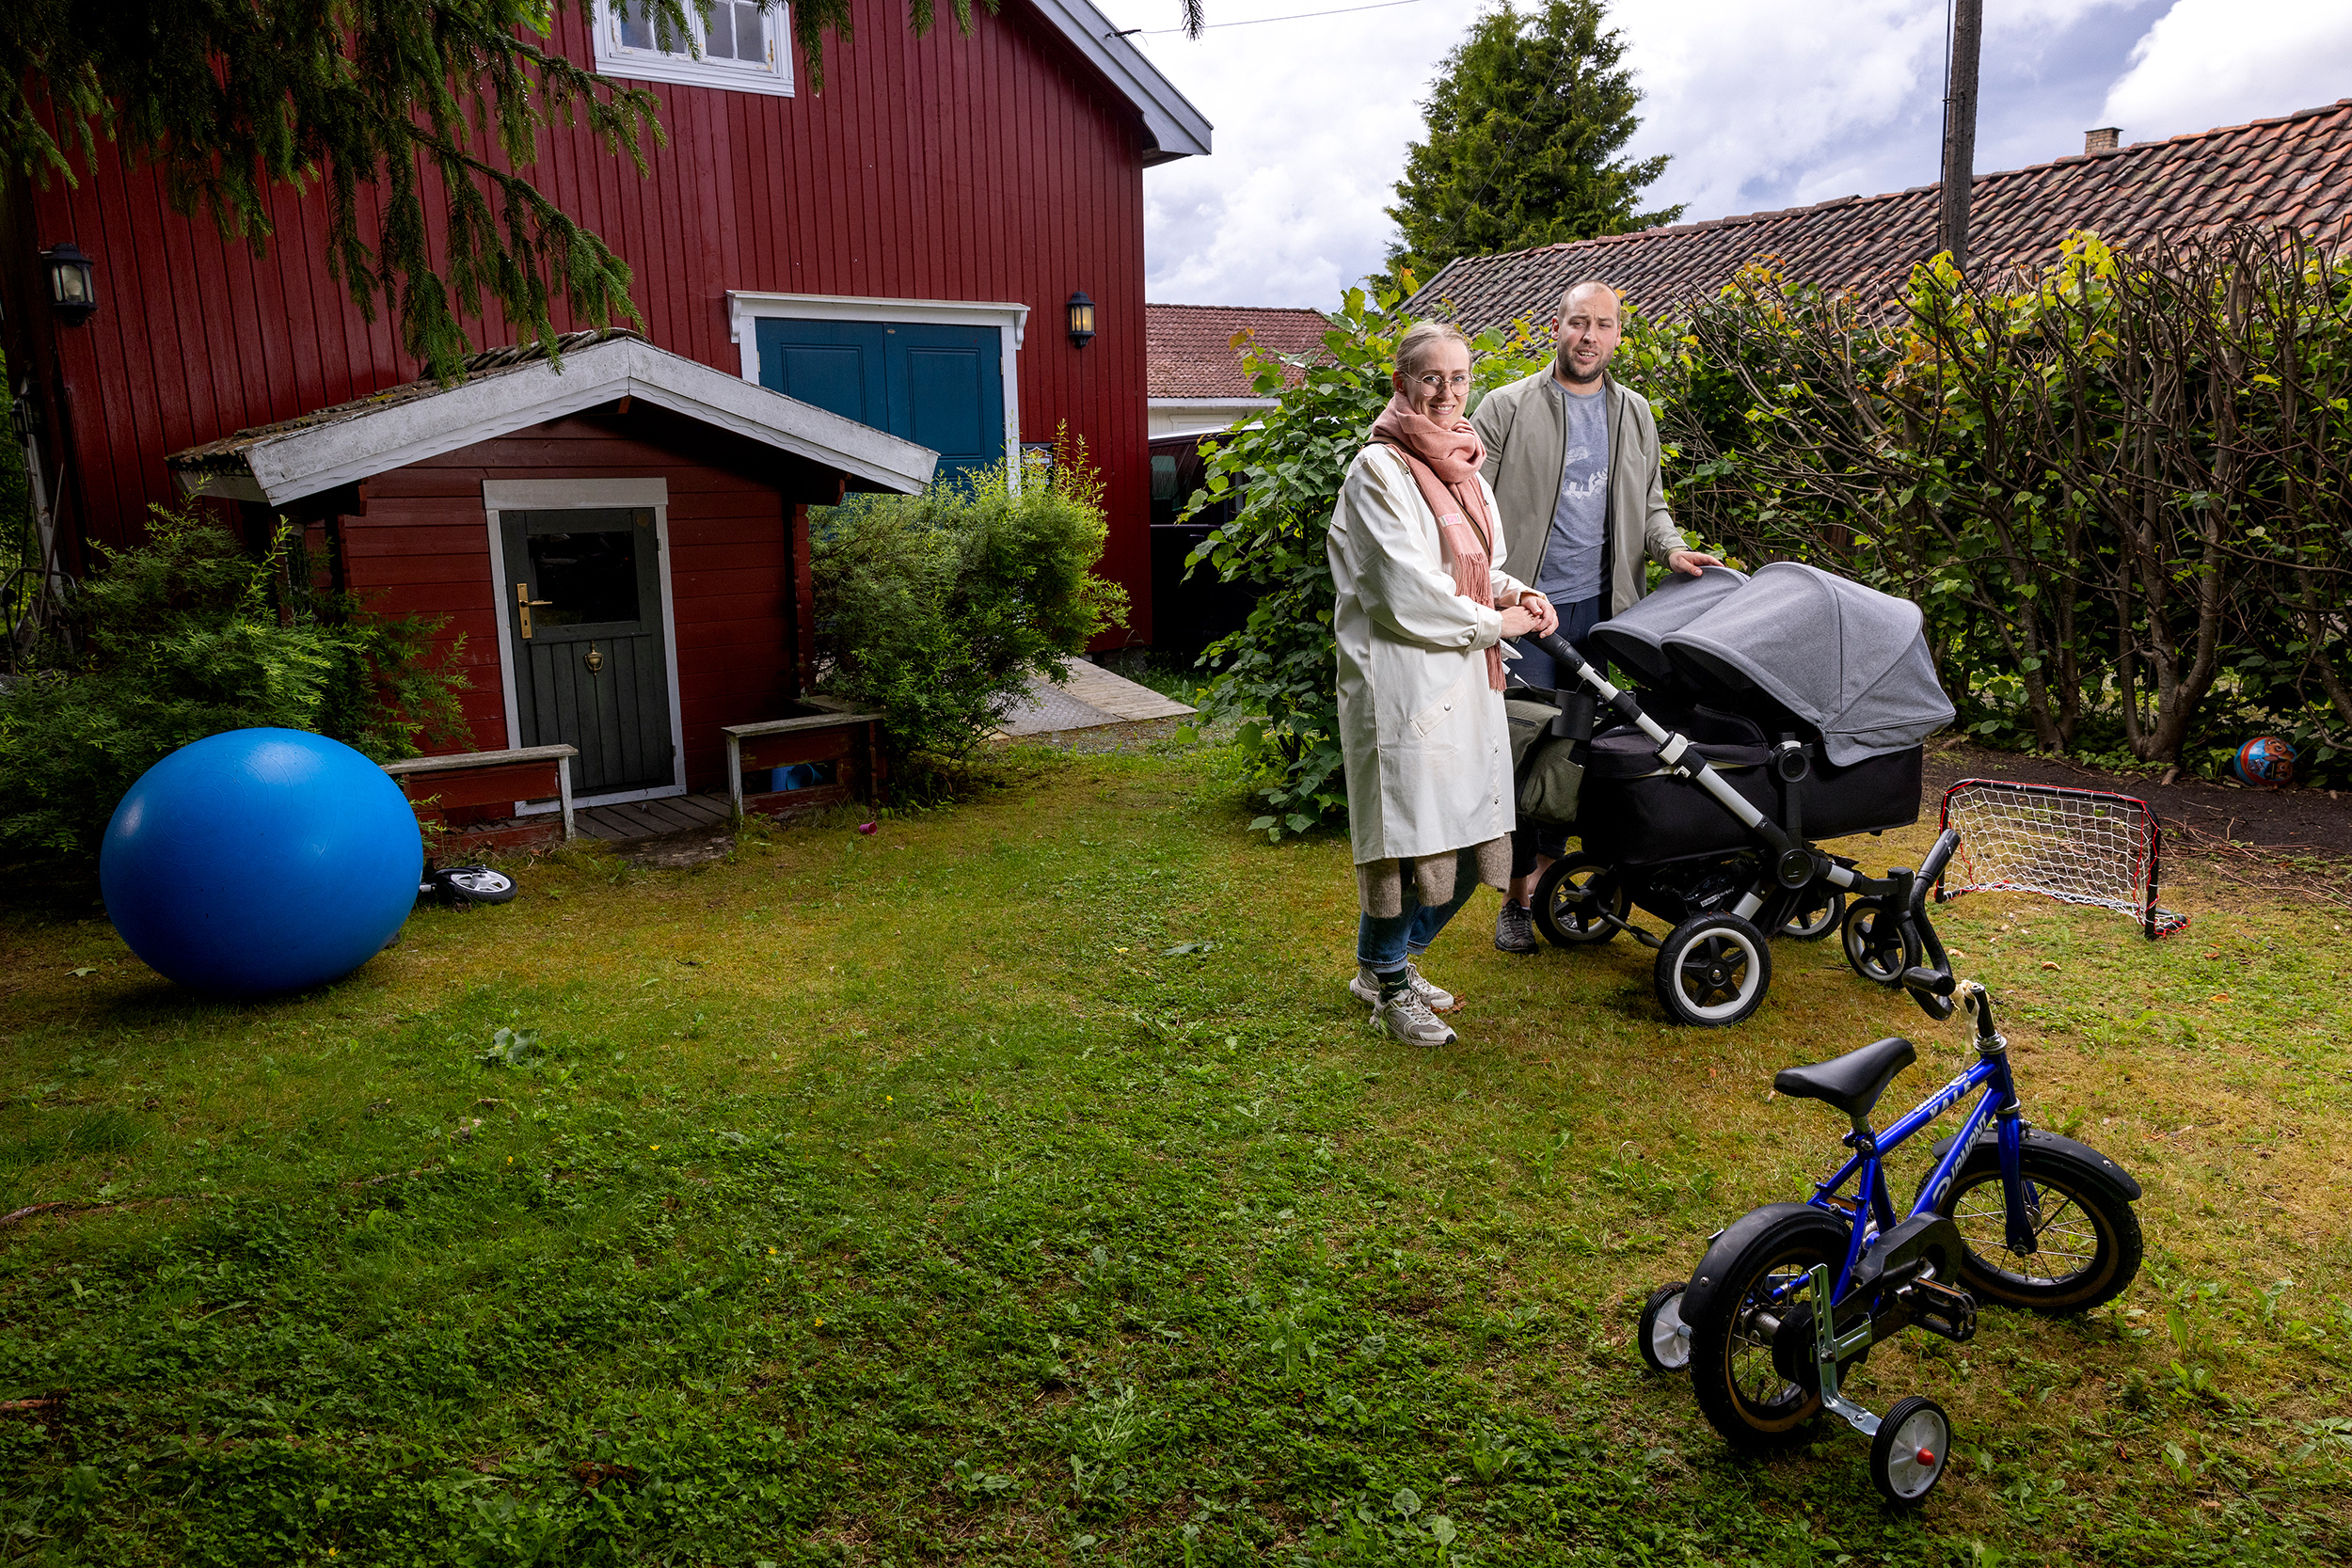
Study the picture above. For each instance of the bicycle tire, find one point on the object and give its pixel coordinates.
(1731, 1353)
(1992, 1273)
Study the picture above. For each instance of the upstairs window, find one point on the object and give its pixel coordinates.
(740, 46)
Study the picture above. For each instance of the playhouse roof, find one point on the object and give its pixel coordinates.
(507, 389)
(2295, 170)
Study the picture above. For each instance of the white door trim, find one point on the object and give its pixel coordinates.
(745, 306)
(559, 495)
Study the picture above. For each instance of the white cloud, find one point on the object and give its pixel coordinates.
(1760, 106)
(2217, 62)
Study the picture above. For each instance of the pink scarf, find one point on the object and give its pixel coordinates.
(1444, 461)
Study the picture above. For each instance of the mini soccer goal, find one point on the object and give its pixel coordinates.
(2077, 845)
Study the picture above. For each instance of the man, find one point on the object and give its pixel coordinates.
(1573, 459)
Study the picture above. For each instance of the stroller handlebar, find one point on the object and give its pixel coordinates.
(1563, 652)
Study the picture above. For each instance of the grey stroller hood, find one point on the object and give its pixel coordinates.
(1847, 659)
(1632, 639)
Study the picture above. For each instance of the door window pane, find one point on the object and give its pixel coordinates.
(587, 579)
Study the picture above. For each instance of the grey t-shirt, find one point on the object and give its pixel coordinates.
(1572, 551)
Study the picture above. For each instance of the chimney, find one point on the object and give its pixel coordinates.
(2101, 140)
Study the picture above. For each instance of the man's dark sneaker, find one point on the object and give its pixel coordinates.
(1515, 928)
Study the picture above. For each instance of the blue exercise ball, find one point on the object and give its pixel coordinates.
(260, 861)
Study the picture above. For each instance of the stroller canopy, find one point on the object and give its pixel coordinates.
(1631, 639)
(1847, 659)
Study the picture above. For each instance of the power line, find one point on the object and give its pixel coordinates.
(1262, 21)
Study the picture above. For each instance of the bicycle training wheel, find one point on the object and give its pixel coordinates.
(1740, 1389)
(2085, 1237)
(1570, 898)
(1907, 1455)
(1663, 1337)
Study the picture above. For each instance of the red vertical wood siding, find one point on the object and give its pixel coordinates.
(425, 546)
(996, 166)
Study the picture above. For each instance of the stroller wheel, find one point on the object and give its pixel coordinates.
(1570, 899)
(1879, 944)
(1816, 915)
(1714, 971)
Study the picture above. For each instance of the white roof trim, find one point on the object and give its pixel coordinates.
(298, 463)
(1177, 129)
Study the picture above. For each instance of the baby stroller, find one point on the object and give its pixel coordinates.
(1789, 707)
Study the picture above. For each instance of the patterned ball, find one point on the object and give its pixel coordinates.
(2266, 760)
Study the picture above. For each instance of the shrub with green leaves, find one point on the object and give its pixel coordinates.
(189, 635)
(937, 609)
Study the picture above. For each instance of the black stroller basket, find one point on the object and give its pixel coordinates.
(1711, 825)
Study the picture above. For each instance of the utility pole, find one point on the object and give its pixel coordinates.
(1960, 129)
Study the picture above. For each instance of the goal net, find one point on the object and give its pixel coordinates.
(2078, 846)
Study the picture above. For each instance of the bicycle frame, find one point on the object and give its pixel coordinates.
(1871, 1214)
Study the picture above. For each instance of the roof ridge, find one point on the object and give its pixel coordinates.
(1284, 310)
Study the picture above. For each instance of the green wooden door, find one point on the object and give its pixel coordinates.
(584, 609)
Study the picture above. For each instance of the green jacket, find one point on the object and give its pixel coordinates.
(1526, 435)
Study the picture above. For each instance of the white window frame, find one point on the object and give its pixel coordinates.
(565, 495)
(616, 59)
(745, 306)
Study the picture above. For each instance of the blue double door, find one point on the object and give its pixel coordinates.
(938, 386)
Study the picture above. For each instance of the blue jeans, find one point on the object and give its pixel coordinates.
(1534, 667)
(1382, 946)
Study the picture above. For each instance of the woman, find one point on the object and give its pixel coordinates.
(1416, 556)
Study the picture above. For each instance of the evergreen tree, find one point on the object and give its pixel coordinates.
(388, 105)
(1525, 127)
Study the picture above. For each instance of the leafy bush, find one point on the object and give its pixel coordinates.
(2116, 483)
(937, 609)
(181, 639)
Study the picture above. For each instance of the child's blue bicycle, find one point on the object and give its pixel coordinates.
(2010, 1214)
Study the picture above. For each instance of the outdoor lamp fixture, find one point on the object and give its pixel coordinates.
(1081, 319)
(70, 292)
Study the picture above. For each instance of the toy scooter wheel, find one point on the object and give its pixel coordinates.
(475, 885)
(1664, 1337)
(1817, 913)
(1907, 1455)
(1879, 943)
(1570, 898)
(1714, 971)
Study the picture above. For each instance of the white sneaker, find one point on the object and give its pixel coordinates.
(1365, 987)
(1407, 1018)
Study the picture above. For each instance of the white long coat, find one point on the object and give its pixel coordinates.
(1428, 749)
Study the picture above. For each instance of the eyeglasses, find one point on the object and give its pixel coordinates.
(1459, 381)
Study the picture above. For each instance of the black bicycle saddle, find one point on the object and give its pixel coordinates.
(1853, 1082)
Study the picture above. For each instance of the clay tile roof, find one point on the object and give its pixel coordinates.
(2297, 168)
(1192, 352)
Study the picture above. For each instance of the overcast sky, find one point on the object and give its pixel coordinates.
(1760, 106)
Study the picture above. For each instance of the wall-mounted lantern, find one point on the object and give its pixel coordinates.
(71, 294)
(1081, 319)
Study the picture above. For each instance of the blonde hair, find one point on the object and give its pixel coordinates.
(1419, 344)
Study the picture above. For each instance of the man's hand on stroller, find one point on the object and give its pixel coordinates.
(1532, 616)
(1690, 563)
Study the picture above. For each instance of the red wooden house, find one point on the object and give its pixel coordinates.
(895, 256)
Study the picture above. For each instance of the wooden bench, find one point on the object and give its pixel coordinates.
(471, 780)
(832, 734)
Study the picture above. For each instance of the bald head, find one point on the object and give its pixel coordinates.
(1587, 331)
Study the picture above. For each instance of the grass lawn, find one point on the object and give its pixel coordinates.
(1020, 1184)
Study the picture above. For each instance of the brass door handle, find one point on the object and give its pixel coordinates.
(524, 603)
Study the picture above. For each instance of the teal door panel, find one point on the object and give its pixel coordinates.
(942, 387)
